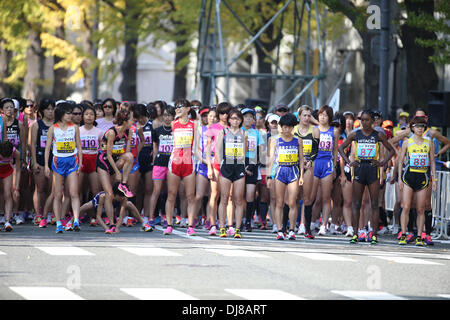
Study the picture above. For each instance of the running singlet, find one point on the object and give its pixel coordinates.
(287, 152)
(134, 140)
(90, 140)
(13, 134)
(204, 142)
(147, 130)
(418, 159)
(64, 141)
(254, 140)
(7, 161)
(233, 147)
(326, 144)
(183, 140)
(309, 150)
(119, 143)
(367, 147)
(41, 141)
(1, 128)
(163, 137)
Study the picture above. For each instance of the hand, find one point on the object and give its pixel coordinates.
(211, 175)
(36, 168)
(307, 164)
(118, 176)
(248, 172)
(343, 180)
(269, 183)
(354, 164)
(47, 171)
(300, 181)
(400, 185)
(16, 195)
(434, 185)
(79, 168)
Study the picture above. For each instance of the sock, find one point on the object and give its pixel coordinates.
(263, 208)
(285, 216)
(383, 217)
(308, 217)
(249, 212)
(412, 219)
(428, 221)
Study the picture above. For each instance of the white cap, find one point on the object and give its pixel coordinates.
(16, 104)
(273, 117)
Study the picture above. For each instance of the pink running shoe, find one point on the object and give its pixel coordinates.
(168, 230)
(191, 232)
(124, 189)
(213, 231)
(43, 223)
(111, 230)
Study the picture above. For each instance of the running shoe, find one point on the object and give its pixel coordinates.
(308, 235)
(59, 229)
(402, 240)
(130, 222)
(43, 223)
(263, 226)
(383, 230)
(373, 239)
(222, 232)
(165, 224)
(280, 235)
(208, 225)
(322, 231)
(419, 242)
(147, 228)
(168, 231)
(301, 229)
(349, 232)
(354, 239)
(69, 226)
(191, 232)
(111, 230)
(291, 235)
(428, 241)
(76, 226)
(237, 233)
(274, 228)
(20, 218)
(38, 220)
(93, 222)
(8, 227)
(410, 238)
(53, 219)
(399, 234)
(248, 227)
(362, 237)
(212, 231)
(177, 220)
(183, 223)
(158, 220)
(230, 231)
(125, 190)
(152, 223)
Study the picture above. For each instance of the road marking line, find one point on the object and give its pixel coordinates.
(407, 260)
(2, 253)
(263, 294)
(157, 294)
(445, 296)
(237, 253)
(367, 295)
(150, 252)
(321, 256)
(183, 234)
(46, 293)
(65, 251)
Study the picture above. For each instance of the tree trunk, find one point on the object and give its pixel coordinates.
(371, 73)
(5, 56)
(180, 81)
(127, 88)
(59, 90)
(421, 73)
(35, 58)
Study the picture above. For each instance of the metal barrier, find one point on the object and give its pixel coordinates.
(440, 201)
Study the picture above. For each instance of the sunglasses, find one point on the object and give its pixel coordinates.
(419, 125)
(178, 106)
(235, 118)
(68, 113)
(76, 113)
(108, 106)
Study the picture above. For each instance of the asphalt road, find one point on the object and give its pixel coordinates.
(39, 264)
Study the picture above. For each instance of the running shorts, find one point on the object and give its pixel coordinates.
(287, 174)
(366, 173)
(323, 168)
(415, 180)
(64, 166)
(232, 172)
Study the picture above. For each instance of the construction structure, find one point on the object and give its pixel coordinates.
(212, 61)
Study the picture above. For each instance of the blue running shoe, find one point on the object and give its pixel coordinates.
(59, 229)
(76, 226)
(158, 220)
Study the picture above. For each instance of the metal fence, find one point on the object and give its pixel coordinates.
(440, 201)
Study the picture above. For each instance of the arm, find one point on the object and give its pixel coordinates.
(33, 136)
(198, 145)
(17, 170)
(389, 148)
(47, 150)
(23, 142)
(109, 148)
(300, 158)
(271, 158)
(80, 151)
(446, 142)
(141, 139)
(4, 135)
(400, 161)
(433, 167)
(219, 147)
(101, 203)
(344, 145)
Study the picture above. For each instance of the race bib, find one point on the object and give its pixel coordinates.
(43, 141)
(307, 147)
(326, 142)
(287, 156)
(252, 144)
(418, 160)
(183, 138)
(234, 149)
(147, 138)
(119, 148)
(89, 143)
(366, 150)
(65, 146)
(165, 146)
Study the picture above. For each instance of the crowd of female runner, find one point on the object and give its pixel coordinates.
(228, 169)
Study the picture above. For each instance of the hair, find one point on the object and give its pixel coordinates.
(22, 103)
(328, 110)
(61, 109)
(240, 106)
(421, 109)
(140, 110)
(4, 101)
(6, 149)
(303, 108)
(80, 106)
(170, 110)
(113, 102)
(193, 114)
(224, 107)
(288, 120)
(121, 117)
(88, 107)
(235, 111)
(152, 112)
(44, 104)
(368, 112)
(87, 102)
(342, 121)
(183, 102)
(418, 120)
(196, 103)
(161, 103)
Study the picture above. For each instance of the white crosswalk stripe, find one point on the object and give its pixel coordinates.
(367, 295)
(321, 256)
(46, 293)
(157, 294)
(154, 252)
(2, 253)
(263, 294)
(237, 253)
(65, 251)
(406, 260)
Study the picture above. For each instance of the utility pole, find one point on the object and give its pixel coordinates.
(384, 58)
